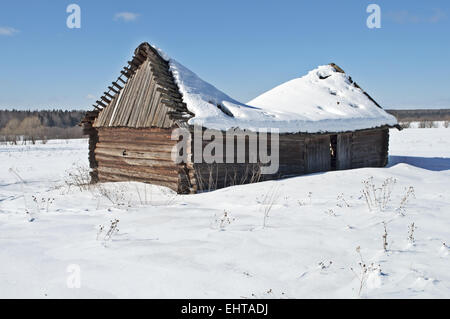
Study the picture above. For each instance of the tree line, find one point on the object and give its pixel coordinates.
(29, 126)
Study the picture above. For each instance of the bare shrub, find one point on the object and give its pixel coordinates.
(427, 124)
(116, 194)
(79, 177)
(378, 197)
(405, 124)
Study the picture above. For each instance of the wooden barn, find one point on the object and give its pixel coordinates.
(130, 129)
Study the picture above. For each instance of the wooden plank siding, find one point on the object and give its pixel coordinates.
(299, 154)
(318, 156)
(144, 155)
(344, 151)
(370, 148)
(150, 97)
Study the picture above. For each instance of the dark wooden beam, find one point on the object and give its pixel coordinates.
(117, 85)
(105, 99)
(101, 103)
(108, 95)
(112, 89)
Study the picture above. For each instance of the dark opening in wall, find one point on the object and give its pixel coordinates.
(333, 151)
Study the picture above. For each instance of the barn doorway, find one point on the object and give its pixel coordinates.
(317, 155)
(333, 152)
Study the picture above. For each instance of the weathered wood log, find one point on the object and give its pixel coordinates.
(113, 89)
(108, 95)
(101, 103)
(126, 74)
(136, 147)
(149, 175)
(134, 154)
(105, 99)
(117, 85)
(110, 177)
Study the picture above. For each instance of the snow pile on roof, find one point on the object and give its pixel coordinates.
(322, 101)
(327, 98)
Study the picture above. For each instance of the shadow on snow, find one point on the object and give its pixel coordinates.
(430, 163)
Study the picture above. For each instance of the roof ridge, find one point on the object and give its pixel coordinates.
(340, 70)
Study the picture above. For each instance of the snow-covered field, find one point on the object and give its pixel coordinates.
(171, 246)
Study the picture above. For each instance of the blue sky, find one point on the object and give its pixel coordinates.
(242, 47)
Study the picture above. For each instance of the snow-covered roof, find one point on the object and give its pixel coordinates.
(325, 100)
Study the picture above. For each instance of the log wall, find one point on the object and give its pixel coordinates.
(88, 129)
(300, 154)
(143, 155)
(369, 148)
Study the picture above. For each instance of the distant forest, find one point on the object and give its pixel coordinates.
(30, 126)
(421, 115)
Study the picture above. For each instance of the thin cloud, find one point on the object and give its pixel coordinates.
(438, 15)
(90, 97)
(126, 16)
(407, 17)
(8, 31)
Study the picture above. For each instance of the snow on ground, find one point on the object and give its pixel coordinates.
(324, 100)
(171, 246)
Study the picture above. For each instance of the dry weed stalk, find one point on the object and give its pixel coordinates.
(112, 230)
(385, 236)
(79, 177)
(378, 197)
(268, 201)
(341, 202)
(225, 220)
(410, 193)
(411, 230)
(364, 271)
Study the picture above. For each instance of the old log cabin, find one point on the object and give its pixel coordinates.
(325, 122)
